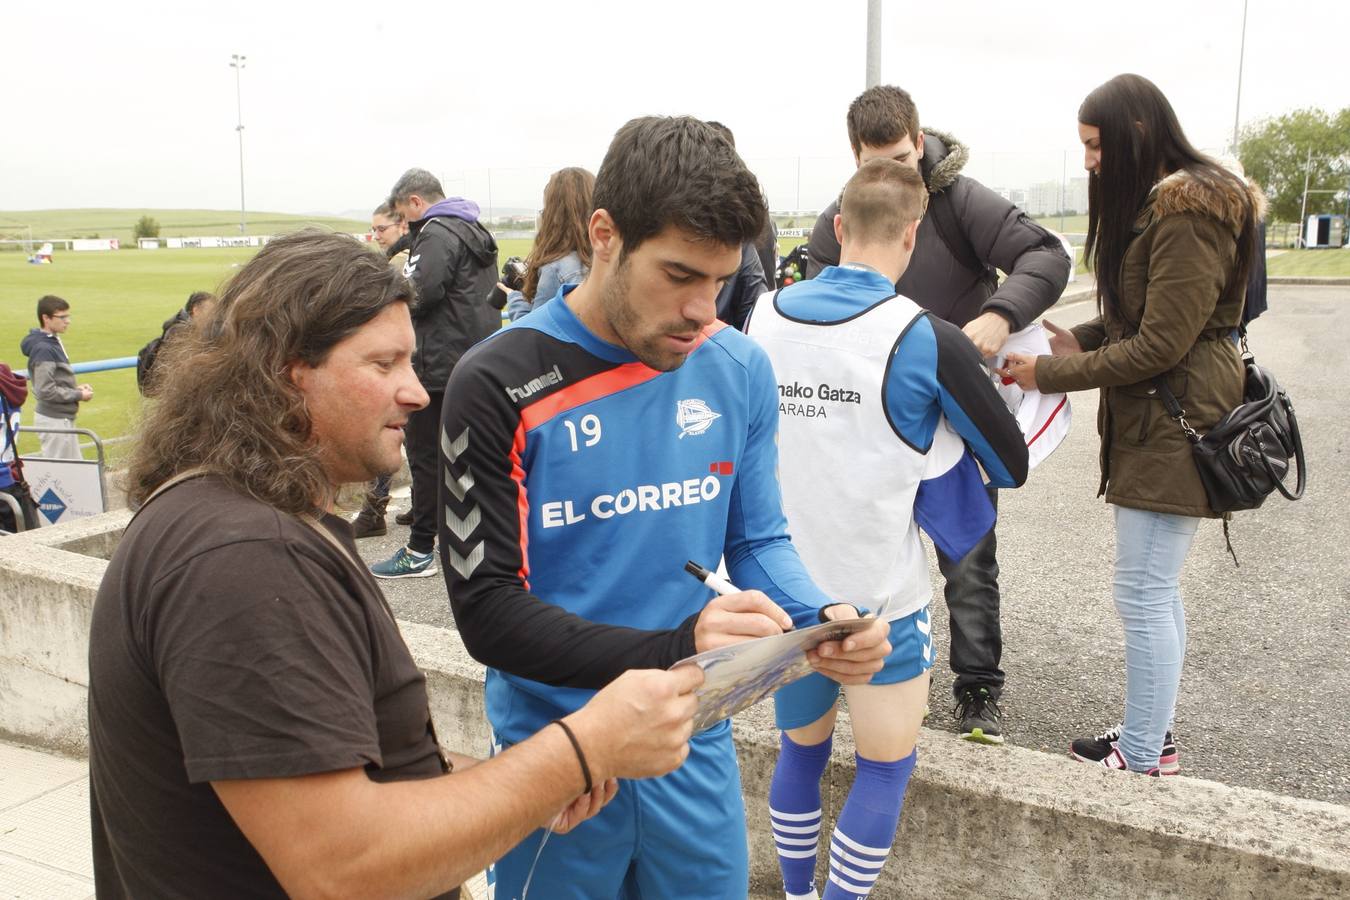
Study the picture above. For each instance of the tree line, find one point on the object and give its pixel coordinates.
(1312, 144)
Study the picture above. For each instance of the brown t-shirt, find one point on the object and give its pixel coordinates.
(232, 641)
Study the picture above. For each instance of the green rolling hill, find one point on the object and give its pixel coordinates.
(118, 223)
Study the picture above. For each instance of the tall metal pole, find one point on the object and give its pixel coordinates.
(873, 43)
(1063, 188)
(1242, 52)
(1345, 225)
(1303, 212)
(237, 63)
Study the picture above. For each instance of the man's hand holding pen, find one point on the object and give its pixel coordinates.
(735, 615)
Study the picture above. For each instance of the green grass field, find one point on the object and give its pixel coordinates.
(1324, 263)
(119, 223)
(118, 302)
(1071, 224)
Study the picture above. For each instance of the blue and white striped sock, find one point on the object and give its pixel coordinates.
(866, 827)
(794, 811)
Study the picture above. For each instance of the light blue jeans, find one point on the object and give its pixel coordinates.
(1150, 550)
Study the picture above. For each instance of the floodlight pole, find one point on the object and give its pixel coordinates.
(1242, 52)
(1303, 211)
(873, 43)
(1063, 188)
(237, 63)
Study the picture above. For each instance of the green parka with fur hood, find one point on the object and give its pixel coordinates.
(1180, 300)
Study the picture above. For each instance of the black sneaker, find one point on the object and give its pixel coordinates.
(981, 720)
(369, 522)
(1103, 751)
(403, 518)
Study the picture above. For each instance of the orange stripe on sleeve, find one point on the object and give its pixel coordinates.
(584, 391)
(522, 502)
(602, 385)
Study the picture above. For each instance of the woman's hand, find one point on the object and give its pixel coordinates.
(1062, 341)
(1021, 368)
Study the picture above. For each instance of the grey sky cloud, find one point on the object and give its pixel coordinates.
(134, 104)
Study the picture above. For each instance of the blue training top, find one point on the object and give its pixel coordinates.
(578, 481)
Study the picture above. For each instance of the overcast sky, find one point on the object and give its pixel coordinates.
(133, 104)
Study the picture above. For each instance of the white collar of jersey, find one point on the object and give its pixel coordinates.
(859, 267)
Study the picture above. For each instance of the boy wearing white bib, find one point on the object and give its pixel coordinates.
(881, 407)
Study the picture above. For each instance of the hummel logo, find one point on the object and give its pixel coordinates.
(411, 266)
(465, 565)
(534, 385)
(452, 449)
(694, 417)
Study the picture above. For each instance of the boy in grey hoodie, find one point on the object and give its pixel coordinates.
(53, 380)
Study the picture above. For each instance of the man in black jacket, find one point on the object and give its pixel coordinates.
(968, 234)
(759, 261)
(453, 264)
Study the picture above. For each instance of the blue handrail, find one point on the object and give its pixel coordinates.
(103, 365)
(98, 365)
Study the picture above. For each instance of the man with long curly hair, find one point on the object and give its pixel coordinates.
(257, 726)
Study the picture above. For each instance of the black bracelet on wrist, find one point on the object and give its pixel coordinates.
(581, 757)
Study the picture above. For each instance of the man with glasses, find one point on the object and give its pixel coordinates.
(391, 233)
(452, 262)
(58, 396)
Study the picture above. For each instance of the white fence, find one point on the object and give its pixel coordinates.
(29, 246)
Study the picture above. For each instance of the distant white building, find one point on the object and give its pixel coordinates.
(1048, 197)
(1015, 196)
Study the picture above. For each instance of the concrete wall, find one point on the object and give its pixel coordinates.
(48, 580)
(981, 821)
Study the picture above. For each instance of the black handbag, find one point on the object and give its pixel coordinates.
(1246, 456)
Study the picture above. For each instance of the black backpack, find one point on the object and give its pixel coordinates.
(145, 359)
(793, 266)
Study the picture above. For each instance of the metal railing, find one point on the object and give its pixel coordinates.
(98, 365)
(12, 502)
(99, 462)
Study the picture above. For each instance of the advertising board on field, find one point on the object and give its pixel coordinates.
(216, 241)
(86, 244)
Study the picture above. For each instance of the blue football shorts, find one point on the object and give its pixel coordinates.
(670, 838)
(807, 699)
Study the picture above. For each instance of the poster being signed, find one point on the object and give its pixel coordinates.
(739, 676)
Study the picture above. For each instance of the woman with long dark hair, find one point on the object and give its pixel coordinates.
(1170, 240)
(562, 247)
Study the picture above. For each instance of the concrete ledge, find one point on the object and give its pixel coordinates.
(48, 580)
(1026, 823)
(1074, 294)
(994, 822)
(95, 536)
(1309, 279)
